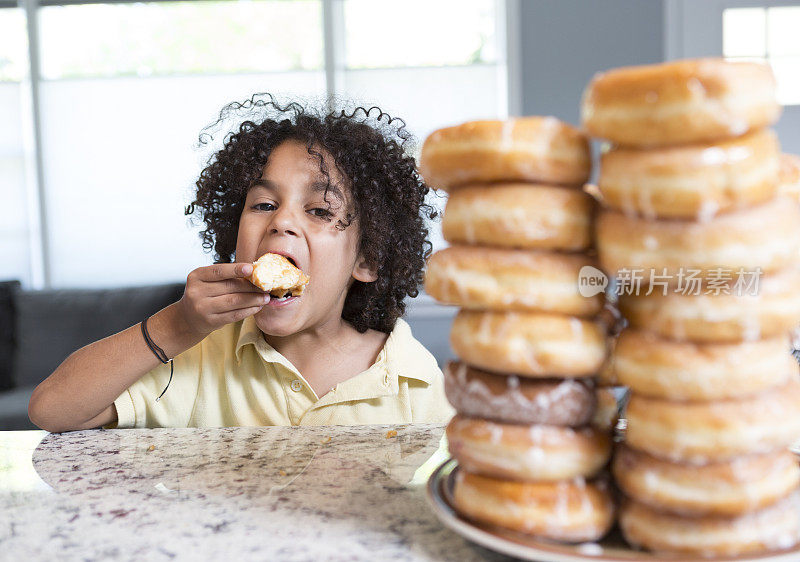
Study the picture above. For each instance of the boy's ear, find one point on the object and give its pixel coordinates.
(361, 272)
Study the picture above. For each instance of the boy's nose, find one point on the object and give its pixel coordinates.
(284, 222)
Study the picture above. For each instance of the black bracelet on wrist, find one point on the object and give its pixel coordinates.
(158, 352)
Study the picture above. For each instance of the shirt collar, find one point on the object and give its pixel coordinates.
(250, 334)
(401, 355)
(405, 356)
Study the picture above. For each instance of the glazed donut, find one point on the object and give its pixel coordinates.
(528, 344)
(789, 176)
(529, 149)
(500, 279)
(519, 216)
(773, 311)
(703, 432)
(511, 399)
(774, 527)
(681, 102)
(691, 182)
(729, 488)
(659, 368)
(766, 236)
(572, 511)
(545, 453)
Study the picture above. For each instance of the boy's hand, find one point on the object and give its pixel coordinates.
(219, 294)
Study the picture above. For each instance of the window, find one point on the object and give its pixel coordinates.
(125, 91)
(125, 88)
(767, 34)
(17, 228)
(179, 38)
(432, 75)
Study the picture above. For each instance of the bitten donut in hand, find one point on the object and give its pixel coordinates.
(703, 432)
(572, 511)
(691, 182)
(278, 276)
(508, 398)
(519, 216)
(529, 149)
(529, 344)
(771, 311)
(774, 527)
(681, 102)
(766, 236)
(500, 279)
(729, 488)
(660, 368)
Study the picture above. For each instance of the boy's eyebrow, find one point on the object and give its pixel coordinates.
(260, 182)
(333, 188)
(317, 186)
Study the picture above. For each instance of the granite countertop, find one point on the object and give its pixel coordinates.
(268, 493)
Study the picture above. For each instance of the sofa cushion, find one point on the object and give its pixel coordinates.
(14, 409)
(7, 332)
(53, 323)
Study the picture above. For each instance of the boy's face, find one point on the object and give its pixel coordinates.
(286, 213)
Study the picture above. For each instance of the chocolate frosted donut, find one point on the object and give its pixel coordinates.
(512, 399)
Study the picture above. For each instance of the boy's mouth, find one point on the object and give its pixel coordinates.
(282, 301)
(283, 296)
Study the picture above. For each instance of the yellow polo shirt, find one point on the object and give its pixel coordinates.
(235, 378)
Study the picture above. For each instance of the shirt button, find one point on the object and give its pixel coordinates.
(297, 385)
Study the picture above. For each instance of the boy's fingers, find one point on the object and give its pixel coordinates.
(227, 286)
(225, 303)
(220, 271)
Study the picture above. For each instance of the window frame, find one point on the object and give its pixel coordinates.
(508, 65)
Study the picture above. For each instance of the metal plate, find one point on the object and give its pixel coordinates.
(527, 547)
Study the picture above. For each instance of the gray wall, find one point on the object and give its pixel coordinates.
(565, 42)
(562, 44)
(695, 30)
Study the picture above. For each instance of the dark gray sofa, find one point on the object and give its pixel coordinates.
(39, 329)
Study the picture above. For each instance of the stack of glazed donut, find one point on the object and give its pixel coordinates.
(532, 432)
(690, 181)
(790, 176)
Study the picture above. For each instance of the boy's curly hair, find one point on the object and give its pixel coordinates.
(388, 194)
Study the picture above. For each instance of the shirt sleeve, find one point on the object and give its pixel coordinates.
(137, 406)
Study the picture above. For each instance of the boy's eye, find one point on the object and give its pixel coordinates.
(264, 206)
(321, 213)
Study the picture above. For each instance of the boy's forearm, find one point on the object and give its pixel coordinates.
(90, 379)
